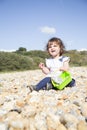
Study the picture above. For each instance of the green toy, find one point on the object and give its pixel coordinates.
(62, 81)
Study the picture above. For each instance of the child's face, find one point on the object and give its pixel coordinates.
(54, 49)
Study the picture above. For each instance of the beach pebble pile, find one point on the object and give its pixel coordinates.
(52, 109)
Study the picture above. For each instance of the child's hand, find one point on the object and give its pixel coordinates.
(44, 69)
(41, 65)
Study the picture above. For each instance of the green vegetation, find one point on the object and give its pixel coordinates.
(28, 60)
(78, 58)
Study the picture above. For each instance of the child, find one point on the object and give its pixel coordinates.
(54, 65)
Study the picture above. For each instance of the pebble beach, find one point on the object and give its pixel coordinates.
(52, 109)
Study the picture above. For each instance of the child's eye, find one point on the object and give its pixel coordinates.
(49, 47)
(55, 45)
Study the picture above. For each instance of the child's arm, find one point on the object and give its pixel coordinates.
(44, 69)
(65, 66)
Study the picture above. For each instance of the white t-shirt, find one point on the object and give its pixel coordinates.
(55, 64)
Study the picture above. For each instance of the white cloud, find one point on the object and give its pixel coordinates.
(48, 30)
(7, 50)
(83, 49)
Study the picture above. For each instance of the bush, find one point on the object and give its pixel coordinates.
(29, 60)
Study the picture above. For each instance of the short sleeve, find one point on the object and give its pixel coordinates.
(47, 62)
(66, 58)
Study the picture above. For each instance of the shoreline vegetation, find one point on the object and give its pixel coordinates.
(22, 59)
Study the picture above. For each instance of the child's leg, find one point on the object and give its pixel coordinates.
(72, 83)
(43, 83)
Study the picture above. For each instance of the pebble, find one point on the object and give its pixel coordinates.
(44, 110)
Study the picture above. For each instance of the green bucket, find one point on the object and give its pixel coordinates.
(65, 78)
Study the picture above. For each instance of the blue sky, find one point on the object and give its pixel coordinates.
(31, 23)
